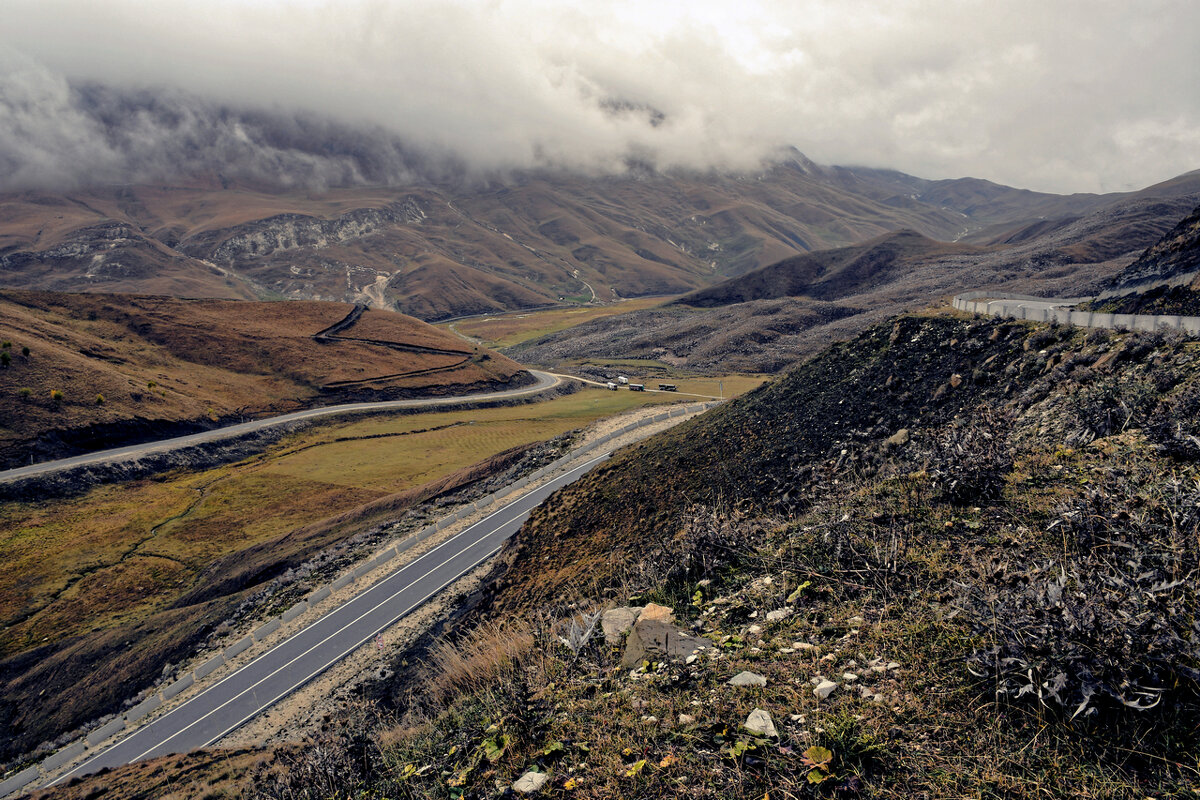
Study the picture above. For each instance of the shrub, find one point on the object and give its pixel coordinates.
(1114, 404)
(1108, 624)
(5, 345)
(56, 398)
(25, 392)
(99, 399)
(5, 358)
(25, 352)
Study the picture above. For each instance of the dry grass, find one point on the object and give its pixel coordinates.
(160, 362)
(506, 330)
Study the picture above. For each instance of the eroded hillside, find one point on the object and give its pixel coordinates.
(80, 372)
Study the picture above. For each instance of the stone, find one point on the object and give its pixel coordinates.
(759, 722)
(657, 613)
(849, 677)
(856, 622)
(898, 439)
(956, 380)
(824, 689)
(747, 679)
(616, 621)
(803, 646)
(687, 719)
(651, 639)
(530, 782)
(779, 613)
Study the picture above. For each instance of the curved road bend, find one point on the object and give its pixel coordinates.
(237, 698)
(544, 381)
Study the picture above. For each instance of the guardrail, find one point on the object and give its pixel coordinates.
(1062, 311)
(110, 728)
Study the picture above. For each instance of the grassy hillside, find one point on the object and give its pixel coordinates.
(99, 592)
(84, 371)
(975, 537)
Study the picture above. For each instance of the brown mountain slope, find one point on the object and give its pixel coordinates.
(441, 251)
(132, 367)
(769, 318)
(829, 274)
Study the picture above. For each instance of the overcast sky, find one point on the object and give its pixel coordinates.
(1056, 95)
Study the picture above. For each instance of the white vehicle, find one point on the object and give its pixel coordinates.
(610, 385)
(622, 380)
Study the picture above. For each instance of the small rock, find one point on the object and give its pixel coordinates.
(747, 679)
(849, 677)
(797, 718)
(824, 689)
(759, 722)
(754, 630)
(651, 720)
(687, 719)
(657, 613)
(956, 380)
(779, 613)
(856, 622)
(829, 657)
(893, 665)
(616, 621)
(691, 659)
(898, 439)
(704, 582)
(803, 646)
(530, 782)
(786, 651)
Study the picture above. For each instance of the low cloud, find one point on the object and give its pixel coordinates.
(1068, 96)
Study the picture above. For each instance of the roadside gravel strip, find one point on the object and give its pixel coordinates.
(544, 381)
(229, 703)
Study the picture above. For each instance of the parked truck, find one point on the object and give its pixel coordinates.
(637, 387)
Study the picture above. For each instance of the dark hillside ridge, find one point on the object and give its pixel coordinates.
(830, 274)
(1175, 256)
(909, 542)
(753, 451)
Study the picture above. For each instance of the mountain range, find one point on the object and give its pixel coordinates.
(440, 251)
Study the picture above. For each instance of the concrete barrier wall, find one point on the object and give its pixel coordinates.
(293, 612)
(210, 666)
(63, 756)
(143, 708)
(318, 596)
(178, 686)
(238, 647)
(1005, 304)
(104, 731)
(19, 781)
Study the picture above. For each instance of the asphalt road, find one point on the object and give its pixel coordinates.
(234, 700)
(544, 381)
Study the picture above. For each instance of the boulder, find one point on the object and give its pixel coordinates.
(759, 723)
(898, 439)
(652, 639)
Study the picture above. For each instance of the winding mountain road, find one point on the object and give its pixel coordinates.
(231, 702)
(545, 380)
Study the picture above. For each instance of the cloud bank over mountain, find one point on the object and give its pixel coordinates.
(1066, 96)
